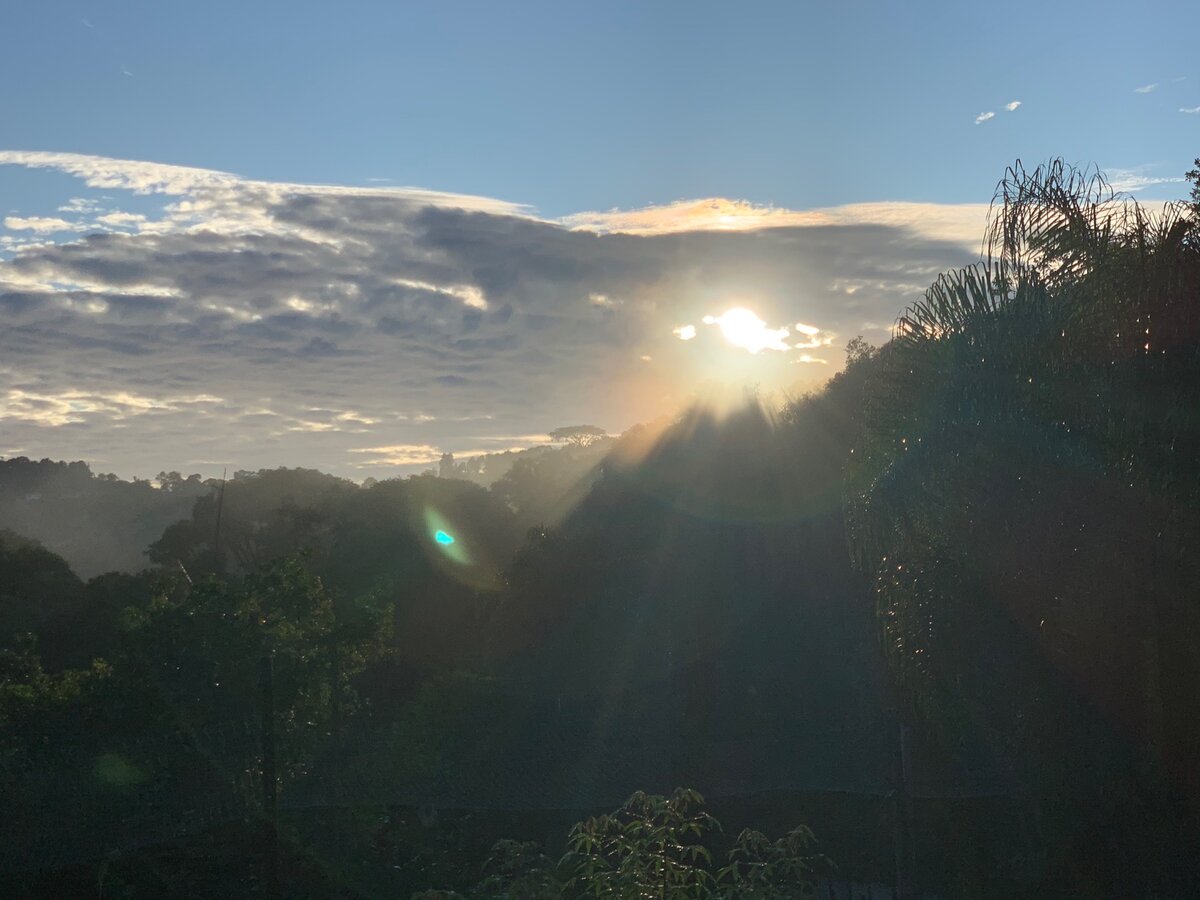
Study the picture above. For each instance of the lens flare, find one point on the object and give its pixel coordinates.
(441, 535)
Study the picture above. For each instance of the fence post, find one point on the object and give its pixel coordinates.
(266, 683)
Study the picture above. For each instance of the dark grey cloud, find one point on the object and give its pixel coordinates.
(264, 325)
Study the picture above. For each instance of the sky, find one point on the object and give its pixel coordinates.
(355, 236)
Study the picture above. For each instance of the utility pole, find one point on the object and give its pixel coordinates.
(902, 837)
(335, 716)
(217, 532)
(266, 683)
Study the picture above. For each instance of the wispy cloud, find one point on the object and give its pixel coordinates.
(75, 406)
(121, 219)
(1189, 110)
(399, 455)
(80, 205)
(961, 222)
(1146, 88)
(983, 117)
(1011, 106)
(209, 187)
(467, 293)
(1130, 181)
(40, 224)
(684, 332)
(424, 454)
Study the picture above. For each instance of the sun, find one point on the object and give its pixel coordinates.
(743, 328)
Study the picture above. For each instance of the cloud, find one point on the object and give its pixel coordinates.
(1130, 181)
(80, 205)
(74, 406)
(1190, 110)
(407, 455)
(121, 219)
(467, 293)
(1146, 88)
(399, 455)
(983, 117)
(1012, 106)
(684, 332)
(538, 438)
(363, 329)
(953, 222)
(212, 186)
(39, 224)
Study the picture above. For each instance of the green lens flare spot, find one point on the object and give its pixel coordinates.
(448, 541)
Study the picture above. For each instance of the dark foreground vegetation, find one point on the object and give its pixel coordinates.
(943, 613)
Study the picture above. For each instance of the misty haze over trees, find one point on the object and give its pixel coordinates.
(942, 611)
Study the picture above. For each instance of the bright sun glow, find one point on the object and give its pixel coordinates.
(745, 329)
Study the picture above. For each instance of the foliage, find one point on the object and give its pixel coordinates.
(579, 435)
(762, 869)
(36, 587)
(652, 847)
(199, 650)
(251, 519)
(1066, 358)
(98, 523)
(39, 709)
(859, 351)
(541, 488)
(518, 870)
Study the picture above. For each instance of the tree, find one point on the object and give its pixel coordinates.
(1040, 396)
(859, 350)
(652, 847)
(578, 435)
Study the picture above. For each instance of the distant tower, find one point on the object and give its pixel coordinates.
(446, 466)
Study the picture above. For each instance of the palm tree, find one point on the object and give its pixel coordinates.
(1071, 350)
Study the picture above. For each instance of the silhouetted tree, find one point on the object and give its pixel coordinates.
(1025, 488)
(578, 435)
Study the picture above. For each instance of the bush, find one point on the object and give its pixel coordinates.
(652, 847)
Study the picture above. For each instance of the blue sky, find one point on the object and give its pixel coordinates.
(573, 106)
(353, 236)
